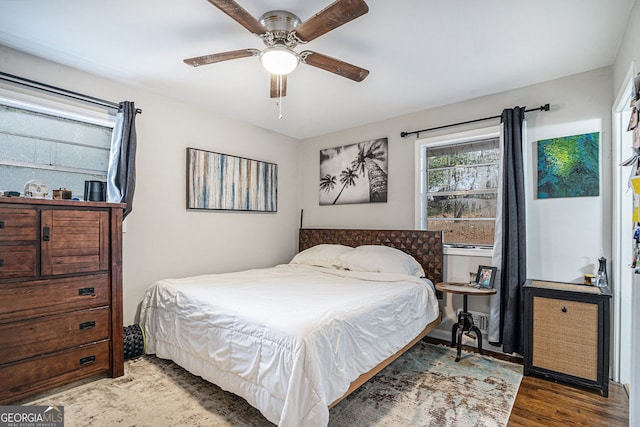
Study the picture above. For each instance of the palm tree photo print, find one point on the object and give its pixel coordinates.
(355, 173)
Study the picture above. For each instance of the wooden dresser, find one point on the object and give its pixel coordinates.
(567, 329)
(60, 293)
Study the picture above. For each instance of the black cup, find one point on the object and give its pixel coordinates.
(95, 191)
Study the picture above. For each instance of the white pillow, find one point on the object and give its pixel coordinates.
(381, 259)
(323, 255)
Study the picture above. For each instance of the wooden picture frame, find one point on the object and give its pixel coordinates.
(217, 181)
(486, 276)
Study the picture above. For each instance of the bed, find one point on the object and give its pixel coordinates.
(295, 339)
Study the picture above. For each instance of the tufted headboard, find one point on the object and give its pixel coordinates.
(424, 246)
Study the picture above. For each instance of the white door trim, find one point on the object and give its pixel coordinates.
(621, 274)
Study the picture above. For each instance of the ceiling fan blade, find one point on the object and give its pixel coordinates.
(334, 65)
(219, 57)
(240, 15)
(330, 18)
(275, 89)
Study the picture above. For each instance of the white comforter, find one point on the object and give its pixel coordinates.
(289, 339)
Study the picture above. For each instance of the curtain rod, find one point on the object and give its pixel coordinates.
(544, 107)
(59, 91)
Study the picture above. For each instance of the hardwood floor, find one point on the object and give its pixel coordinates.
(541, 402)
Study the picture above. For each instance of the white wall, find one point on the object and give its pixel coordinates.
(629, 50)
(162, 238)
(565, 236)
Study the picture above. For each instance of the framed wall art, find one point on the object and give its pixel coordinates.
(223, 182)
(355, 173)
(569, 166)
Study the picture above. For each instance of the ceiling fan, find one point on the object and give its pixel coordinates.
(281, 32)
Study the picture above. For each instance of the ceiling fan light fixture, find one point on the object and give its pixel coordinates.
(279, 60)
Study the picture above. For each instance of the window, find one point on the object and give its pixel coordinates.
(56, 147)
(458, 186)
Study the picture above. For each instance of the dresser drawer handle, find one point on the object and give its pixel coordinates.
(88, 325)
(1, 262)
(87, 360)
(87, 291)
(1, 224)
(564, 309)
(46, 234)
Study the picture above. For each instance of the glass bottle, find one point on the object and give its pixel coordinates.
(601, 278)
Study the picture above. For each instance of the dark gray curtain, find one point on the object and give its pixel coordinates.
(513, 269)
(121, 179)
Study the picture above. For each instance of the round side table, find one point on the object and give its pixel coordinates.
(465, 320)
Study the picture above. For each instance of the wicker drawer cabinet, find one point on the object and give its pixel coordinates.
(60, 293)
(567, 333)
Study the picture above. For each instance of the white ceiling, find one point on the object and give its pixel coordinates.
(420, 53)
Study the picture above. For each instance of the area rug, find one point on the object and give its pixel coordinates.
(424, 387)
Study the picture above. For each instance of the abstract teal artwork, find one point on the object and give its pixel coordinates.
(569, 166)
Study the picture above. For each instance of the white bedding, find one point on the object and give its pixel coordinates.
(289, 339)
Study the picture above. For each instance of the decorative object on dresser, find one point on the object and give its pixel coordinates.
(62, 194)
(36, 189)
(95, 191)
(567, 329)
(60, 293)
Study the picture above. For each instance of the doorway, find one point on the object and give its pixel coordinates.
(623, 229)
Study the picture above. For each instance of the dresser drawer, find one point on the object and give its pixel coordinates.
(28, 338)
(17, 224)
(19, 301)
(17, 261)
(22, 378)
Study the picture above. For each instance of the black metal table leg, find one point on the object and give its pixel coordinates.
(475, 329)
(459, 348)
(453, 333)
(465, 324)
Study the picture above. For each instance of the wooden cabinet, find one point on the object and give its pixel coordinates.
(60, 293)
(567, 328)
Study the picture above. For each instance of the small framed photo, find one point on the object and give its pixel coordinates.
(486, 276)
